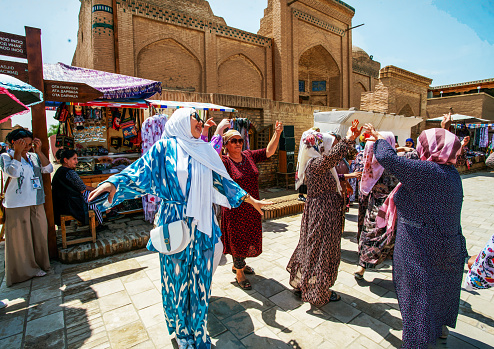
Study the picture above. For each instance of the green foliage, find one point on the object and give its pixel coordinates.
(52, 130)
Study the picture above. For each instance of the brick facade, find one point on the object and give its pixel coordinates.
(400, 92)
(301, 60)
(365, 75)
(479, 105)
(184, 45)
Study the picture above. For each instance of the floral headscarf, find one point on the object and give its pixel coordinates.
(310, 147)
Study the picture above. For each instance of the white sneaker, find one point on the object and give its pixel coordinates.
(3, 304)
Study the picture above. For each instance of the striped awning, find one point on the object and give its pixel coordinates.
(195, 105)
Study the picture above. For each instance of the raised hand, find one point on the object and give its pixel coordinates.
(19, 145)
(278, 127)
(222, 126)
(371, 133)
(465, 141)
(446, 123)
(37, 145)
(353, 132)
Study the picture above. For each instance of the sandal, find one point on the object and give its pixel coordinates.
(358, 276)
(244, 284)
(248, 270)
(40, 273)
(334, 297)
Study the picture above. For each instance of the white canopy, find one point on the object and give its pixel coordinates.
(459, 117)
(339, 122)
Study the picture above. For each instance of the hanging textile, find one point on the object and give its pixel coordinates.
(151, 131)
(484, 137)
(242, 125)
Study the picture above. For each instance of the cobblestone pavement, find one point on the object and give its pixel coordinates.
(116, 302)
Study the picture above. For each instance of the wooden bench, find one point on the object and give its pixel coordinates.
(92, 228)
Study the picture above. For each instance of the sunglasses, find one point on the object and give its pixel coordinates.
(236, 140)
(198, 118)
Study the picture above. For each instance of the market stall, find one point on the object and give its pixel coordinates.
(481, 134)
(106, 131)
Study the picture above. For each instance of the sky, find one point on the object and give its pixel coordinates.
(449, 41)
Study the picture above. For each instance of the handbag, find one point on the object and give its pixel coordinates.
(64, 140)
(62, 113)
(129, 129)
(171, 238)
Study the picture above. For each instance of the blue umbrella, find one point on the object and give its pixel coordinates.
(25, 93)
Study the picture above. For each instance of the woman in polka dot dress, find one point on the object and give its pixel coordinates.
(430, 252)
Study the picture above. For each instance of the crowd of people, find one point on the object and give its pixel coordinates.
(409, 201)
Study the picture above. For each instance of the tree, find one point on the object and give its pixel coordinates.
(52, 130)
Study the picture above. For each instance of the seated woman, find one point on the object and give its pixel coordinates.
(69, 191)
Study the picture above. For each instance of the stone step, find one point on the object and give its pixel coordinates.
(108, 242)
(283, 206)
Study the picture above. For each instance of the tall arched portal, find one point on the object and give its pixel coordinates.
(319, 78)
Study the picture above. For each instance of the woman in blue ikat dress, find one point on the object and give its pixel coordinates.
(189, 176)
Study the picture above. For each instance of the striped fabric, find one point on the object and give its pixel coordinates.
(93, 207)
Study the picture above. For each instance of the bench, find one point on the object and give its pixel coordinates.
(92, 228)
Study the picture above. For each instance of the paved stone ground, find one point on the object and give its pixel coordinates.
(116, 302)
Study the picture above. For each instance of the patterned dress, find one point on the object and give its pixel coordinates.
(185, 276)
(429, 254)
(481, 276)
(313, 266)
(356, 166)
(376, 244)
(242, 226)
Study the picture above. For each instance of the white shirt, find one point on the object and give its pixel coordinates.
(20, 192)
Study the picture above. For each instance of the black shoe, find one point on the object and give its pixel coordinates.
(113, 215)
(301, 198)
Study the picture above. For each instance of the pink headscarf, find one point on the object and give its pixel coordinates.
(372, 169)
(437, 145)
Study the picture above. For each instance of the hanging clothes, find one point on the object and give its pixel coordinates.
(484, 137)
(242, 125)
(151, 132)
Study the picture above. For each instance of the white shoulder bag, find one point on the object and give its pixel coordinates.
(171, 238)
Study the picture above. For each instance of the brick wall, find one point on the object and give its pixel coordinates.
(479, 105)
(377, 100)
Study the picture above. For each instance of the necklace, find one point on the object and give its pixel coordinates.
(240, 162)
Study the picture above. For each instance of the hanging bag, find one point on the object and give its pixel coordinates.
(66, 139)
(129, 129)
(62, 113)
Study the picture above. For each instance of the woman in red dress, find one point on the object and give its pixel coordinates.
(241, 227)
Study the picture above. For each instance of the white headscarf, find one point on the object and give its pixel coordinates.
(305, 154)
(204, 160)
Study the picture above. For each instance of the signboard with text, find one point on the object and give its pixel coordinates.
(60, 91)
(16, 69)
(12, 45)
